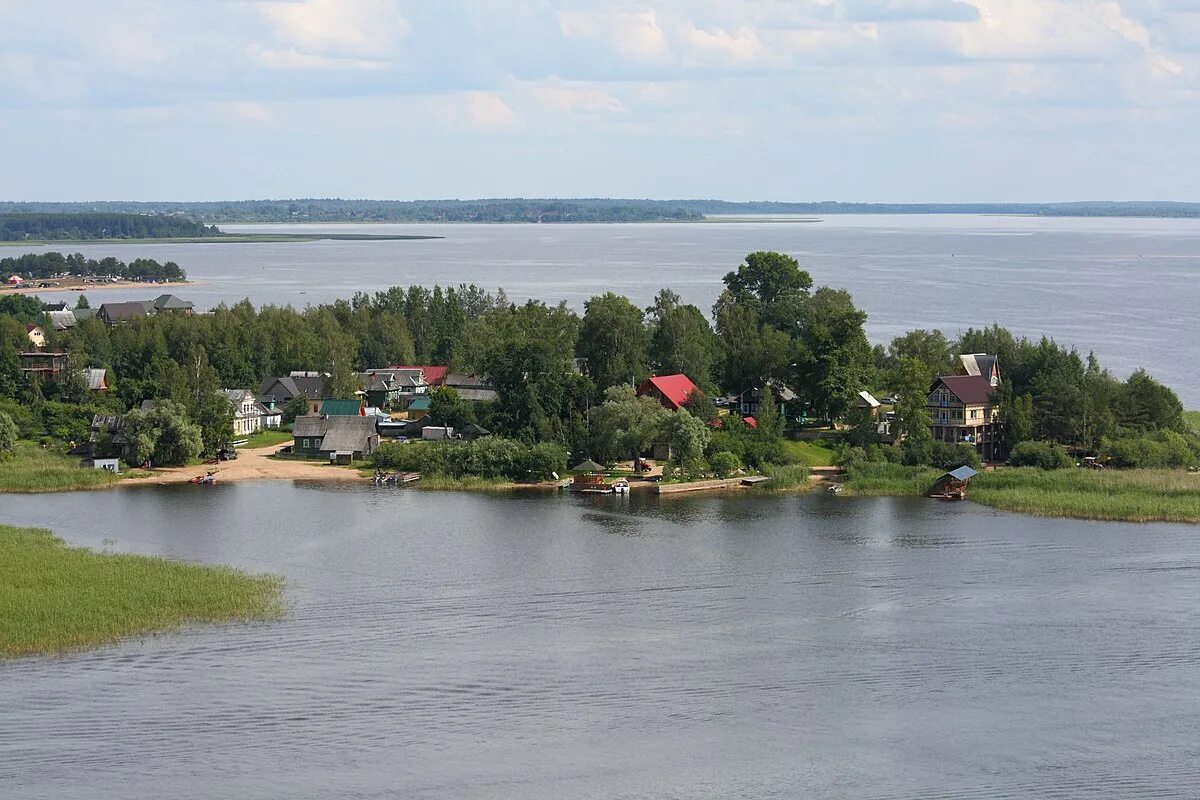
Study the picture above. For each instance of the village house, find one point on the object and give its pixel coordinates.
(275, 393)
(671, 391)
(36, 335)
(335, 438)
(116, 313)
(980, 364)
(62, 320)
(470, 387)
(434, 375)
(962, 408)
(171, 303)
(249, 415)
(48, 367)
(786, 400)
(866, 401)
(342, 408)
(385, 388)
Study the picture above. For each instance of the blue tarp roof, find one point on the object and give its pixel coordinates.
(962, 473)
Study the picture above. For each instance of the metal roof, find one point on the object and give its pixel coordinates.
(962, 473)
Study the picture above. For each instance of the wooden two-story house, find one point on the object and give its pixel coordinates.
(962, 408)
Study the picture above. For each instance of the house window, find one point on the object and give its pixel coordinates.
(304, 443)
(943, 416)
(974, 413)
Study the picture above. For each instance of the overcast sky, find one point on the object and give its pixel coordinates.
(873, 100)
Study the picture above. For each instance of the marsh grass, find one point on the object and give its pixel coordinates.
(785, 478)
(55, 598)
(35, 469)
(1136, 495)
(889, 480)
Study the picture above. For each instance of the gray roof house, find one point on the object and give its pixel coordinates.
(333, 436)
(169, 302)
(469, 386)
(115, 313)
(278, 391)
(61, 320)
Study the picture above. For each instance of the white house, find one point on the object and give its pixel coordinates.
(249, 415)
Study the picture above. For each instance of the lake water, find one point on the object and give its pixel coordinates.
(471, 646)
(1127, 288)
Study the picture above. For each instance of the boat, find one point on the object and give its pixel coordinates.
(204, 480)
(620, 486)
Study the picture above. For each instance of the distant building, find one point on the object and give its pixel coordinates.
(434, 375)
(62, 320)
(386, 387)
(36, 335)
(980, 365)
(670, 390)
(866, 400)
(342, 408)
(786, 400)
(14, 280)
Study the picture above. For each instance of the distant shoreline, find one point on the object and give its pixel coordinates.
(231, 238)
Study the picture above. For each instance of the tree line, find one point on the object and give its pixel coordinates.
(54, 264)
(79, 226)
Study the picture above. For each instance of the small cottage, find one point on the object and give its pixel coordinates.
(36, 335)
(671, 391)
(327, 437)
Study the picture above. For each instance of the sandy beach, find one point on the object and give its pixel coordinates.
(75, 285)
(250, 465)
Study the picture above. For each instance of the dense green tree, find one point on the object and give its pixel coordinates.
(774, 286)
(700, 405)
(687, 438)
(625, 424)
(931, 348)
(164, 435)
(1144, 404)
(612, 341)
(750, 350)
(835, 357)
(82, 302)
(1016, 421)
(681, 340)
(447, 408)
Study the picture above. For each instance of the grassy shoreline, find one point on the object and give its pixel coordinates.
(34, 470)
(1138, 495)
(57, 599)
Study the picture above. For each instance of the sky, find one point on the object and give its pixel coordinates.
(855, 100)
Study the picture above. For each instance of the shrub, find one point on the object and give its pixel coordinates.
(543, 460)
(488, 457)
(8, 435)
(1163, 449)
(723, 463)
(1040, 454)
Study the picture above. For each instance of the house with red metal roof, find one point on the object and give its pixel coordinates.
(670, 390)
(434, 376)
(962, 408)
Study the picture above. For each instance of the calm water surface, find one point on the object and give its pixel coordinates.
(462, 646)
(1127, 288)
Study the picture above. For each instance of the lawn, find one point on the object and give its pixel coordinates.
(33, 468)
(57, 598)
(1136, 495)
(268, 437)
(814, 454)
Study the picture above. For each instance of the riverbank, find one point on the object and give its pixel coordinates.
(77, 285)
(58, 598)
(1138, 495)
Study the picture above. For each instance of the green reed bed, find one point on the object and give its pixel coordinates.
(785, 478)
(1117, 495)
(889, 480)
(33, 468)
(55, 598)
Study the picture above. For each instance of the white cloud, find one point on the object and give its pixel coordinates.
(337, 27)
(480, 111)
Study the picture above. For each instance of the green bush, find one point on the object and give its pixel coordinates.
(489, 457)
(1160, 449)
(723, 463)
(1042, 455)
(8, 435)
